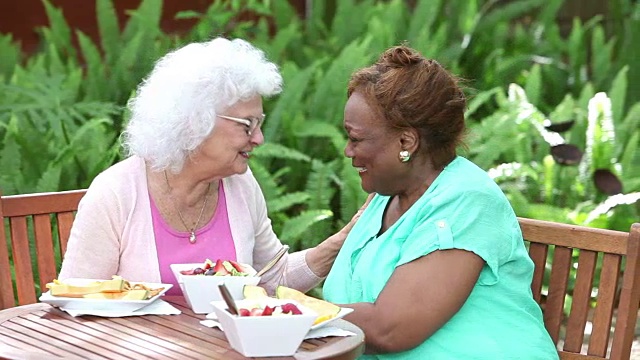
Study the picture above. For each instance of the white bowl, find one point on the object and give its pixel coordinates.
(257, 336)
(201, 290)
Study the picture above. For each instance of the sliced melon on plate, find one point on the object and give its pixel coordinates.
(254, 292)
(324, 309)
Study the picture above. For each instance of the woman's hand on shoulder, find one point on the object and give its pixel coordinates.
(321, 258)
(347, 228)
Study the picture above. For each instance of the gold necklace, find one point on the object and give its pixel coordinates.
(192, 231)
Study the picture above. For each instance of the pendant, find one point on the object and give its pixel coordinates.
(192, 237)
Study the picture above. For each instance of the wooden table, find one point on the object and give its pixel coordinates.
(39, 331)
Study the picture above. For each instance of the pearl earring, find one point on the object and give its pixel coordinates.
(405, 156)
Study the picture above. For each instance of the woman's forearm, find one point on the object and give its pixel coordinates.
(321, 258)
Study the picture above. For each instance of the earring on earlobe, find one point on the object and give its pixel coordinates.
(404, 156)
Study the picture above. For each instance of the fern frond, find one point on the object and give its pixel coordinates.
(351, 194)
(109, 29)
(319, 185)
(277, 151)
(295, 227)
(268, 185)
(95, 73)
(296, 89)
(315, 128)
(285, 201)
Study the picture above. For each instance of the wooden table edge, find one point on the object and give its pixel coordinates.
(10, 313)
(333, 350)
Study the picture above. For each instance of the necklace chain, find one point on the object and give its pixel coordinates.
(192, 231)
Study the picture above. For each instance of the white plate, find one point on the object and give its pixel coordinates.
(100, 304)
(343, 312)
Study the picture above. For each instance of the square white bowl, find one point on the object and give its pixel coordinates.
(201, 290)
(258, 336)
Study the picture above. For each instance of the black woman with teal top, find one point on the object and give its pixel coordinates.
(436, 267)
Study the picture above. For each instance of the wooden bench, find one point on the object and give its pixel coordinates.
(606, 255)
(33, 219)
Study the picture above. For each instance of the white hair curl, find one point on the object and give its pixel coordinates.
(175, 107)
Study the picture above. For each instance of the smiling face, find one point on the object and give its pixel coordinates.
(373, 148)
(227, 149)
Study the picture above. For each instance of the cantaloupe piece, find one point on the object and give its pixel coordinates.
(324, 309)
(254, 292)
(136, 295)
(124, 295)
(104, 296)
(114, 285)
(59, 288)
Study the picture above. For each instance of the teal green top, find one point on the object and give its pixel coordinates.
(462, 209)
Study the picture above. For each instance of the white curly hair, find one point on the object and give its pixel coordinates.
(175, 107)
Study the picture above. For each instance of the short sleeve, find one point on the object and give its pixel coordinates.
(476, 221)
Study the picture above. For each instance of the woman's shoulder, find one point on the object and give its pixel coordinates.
(121, 176)
(462, 176)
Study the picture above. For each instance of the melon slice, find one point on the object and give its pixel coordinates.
(254, 292)
(324, 309)
(136, 295)
(116, 284)
(58, 288)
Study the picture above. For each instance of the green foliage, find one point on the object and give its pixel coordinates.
(515, 137)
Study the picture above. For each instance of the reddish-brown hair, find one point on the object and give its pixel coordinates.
(410, 91)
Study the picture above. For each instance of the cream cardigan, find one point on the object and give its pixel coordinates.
(113, 233)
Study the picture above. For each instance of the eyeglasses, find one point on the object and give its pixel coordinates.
(251, 123)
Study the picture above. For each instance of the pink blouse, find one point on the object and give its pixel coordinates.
(213, 241)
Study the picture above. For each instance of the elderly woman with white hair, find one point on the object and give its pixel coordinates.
(185, 193)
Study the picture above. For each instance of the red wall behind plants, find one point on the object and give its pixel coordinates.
(21, 18)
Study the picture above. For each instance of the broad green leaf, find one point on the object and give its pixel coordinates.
(424, 16)
(533, 88)
(508, 12)
(618, 94)
(602, 53)
(480, 99)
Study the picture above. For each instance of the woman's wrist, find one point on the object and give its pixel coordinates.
(321, 258)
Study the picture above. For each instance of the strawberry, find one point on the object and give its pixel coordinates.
(256, 312)
(267, 311)
(208, 264)
(237, 266)
(219, 268)
(227, 265)
(244, 312)
(290, 308)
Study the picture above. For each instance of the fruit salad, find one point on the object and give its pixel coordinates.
(325, 310)
(284, 309)
(221, 268)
